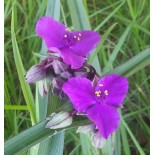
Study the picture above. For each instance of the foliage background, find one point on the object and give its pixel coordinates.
(124, 27)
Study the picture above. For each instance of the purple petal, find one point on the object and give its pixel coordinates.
(72, 59)
(116, 87)
(80, 92)
(51, 31)
(105, 117)
(35, 73)
(88, 41)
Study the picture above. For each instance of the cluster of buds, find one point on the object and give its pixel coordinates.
(54, 71)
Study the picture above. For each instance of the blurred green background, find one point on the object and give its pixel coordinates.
(129, 35)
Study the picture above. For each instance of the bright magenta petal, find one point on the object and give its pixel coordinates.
(105, 117)
(114, 87)
(72, 59)
(87, 42)
(80, 92)
(50, 31)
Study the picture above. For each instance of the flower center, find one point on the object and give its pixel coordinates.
(101, 96)
(70, 38)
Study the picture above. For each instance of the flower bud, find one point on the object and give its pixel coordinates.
(86, 128)
(97, 140)
(35, 74)
(65, 75)
(60, 120)
(44, 85)
(59, 66)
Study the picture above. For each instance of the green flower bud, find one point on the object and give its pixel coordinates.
(60, 120)
(86, 128)
(97, 140)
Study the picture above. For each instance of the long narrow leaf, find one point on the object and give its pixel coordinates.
(138, 62)
(21, 72)
(32, 136)
(116, 50)
(133, 138)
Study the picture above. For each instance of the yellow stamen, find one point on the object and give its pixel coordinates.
(101, 85)
(106, 92)
(98, 93)
(65, 36)
(78, 38)
(75, 37)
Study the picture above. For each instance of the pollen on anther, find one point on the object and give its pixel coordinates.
(65, 36)
(106, 92)
(75, 37)
(78, 38)
(98, 93)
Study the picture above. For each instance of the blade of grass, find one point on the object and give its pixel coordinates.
(125, 142)
(109, 16)
(21, 72)
(85, 143)
(139, 148)
(32, 136)
(104, 9)
(15, 107)
(127, 68)
(79, 17)
(113, 55)
(117, 143)
(105, 35)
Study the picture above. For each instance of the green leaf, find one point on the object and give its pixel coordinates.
(57, 144)
(21, 72)
(53, 145)
(15, 107)
(116, 50)
(124, 138)
(32, 136)
(85, 143)
(133, 65)
(104, 37)
(79, 17)
(109, 16)
(139, 148)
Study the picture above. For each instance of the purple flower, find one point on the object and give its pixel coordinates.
(98, 102)
(73, 46)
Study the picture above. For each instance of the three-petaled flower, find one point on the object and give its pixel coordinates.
(73, 46)
(99, 102)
